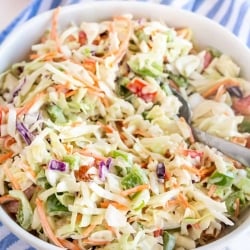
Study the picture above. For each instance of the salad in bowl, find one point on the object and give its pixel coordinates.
(94, 153)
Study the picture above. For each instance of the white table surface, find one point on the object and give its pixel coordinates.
(9, 9)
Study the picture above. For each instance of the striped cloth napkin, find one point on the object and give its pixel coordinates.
(232, 14)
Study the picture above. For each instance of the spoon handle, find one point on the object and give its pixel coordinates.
(228, 148)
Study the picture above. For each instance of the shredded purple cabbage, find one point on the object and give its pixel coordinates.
(24, 132)
(57, 165)
(18, 88)
(160, 171)
(104, 168)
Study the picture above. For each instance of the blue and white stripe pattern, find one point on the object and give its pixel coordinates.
(232, 14)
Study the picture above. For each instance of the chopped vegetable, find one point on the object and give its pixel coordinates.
(245, 125)
(55, 207)
(135, 177)
(161, 171)
(56, 114)
(221, 179)
(24, 132)
(139, 87)
(180, 81)
(25, 213)
(57, 165)
(168, 241)
(231, 199)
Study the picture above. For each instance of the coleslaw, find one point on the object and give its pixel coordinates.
(93, 152)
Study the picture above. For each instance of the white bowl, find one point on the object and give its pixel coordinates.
(206, 33)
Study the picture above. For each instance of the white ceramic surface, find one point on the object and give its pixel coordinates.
(206, 33)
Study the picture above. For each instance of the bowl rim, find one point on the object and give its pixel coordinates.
(46, 17)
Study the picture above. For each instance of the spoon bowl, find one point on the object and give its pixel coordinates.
(232, 150)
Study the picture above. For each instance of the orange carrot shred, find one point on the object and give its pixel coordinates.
(45, 223)
(5, 156)
(134, 189)
(211, 190)
(237, 208)
(8, 141)
(29, 104)
(88, 230)
(117, 205)
(191, 169)
(226, 83)
(69, 245)
(183, 200)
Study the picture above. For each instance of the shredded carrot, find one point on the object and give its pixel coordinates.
(211, 190)
(107, 128)
(62, 87)
(11, 177)
(5, 156)
(192, 170)
(196, 226)
(237, 208)
(134, 189)
(239, 140)
(45, 223)
(8, 141)
(68, 148)
(96, 242)
(111, 229)
(183, 200)
(226, 83)
(4, 109)
(105, 101)
(89, 64)
(54, 25)
(45, 57)
(6, 198)
(69, 245)
(176, 185)
(172, 202)
(88, 230)
(29, 104)
(70, 93)
(76, 124)
(86, 152)
(117, 205)
(204, 172)
(220, 91)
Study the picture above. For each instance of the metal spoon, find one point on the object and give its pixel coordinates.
(228, 148)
